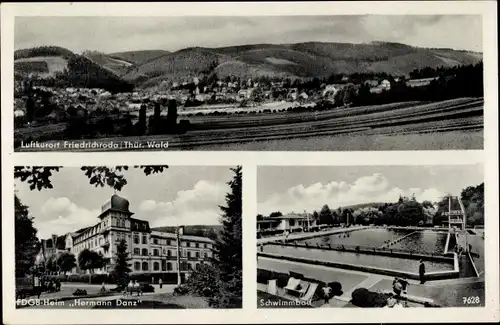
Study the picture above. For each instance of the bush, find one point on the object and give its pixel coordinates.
(336, 288)
(80, 292)
(147, 288)
(362, 297)
(181, 290)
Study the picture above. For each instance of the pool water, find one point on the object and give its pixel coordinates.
(423, 242)
(365, 237)
(384, 262)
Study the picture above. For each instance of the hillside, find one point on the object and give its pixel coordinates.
(138, 57)
(301, 60)
(68, 68)
(209, 231)
(363, 205)
(115, 65)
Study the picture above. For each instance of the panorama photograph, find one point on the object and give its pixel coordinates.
(370, 237)
(259, 83)
(101, 237)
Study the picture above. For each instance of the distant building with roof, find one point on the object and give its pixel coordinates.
(289, 222)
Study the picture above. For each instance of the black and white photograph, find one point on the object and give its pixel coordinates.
(251, 83)
(97, 237)
(371, 236)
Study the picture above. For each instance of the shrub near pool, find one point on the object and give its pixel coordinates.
(362, 297)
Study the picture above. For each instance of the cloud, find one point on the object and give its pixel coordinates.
(199, 205)
(60, 216)
(111, 34)
(366, 189)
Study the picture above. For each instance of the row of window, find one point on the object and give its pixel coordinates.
(144, 266)
(169, 242)
(156, 252)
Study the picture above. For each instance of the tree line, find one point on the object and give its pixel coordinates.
(405, 211)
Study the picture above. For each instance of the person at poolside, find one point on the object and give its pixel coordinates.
(421, 272)
(327, 291)
(404, 283)
(397, 287)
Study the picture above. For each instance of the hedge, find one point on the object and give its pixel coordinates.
(167, 278)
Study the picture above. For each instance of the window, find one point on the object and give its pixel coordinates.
(136, 239)
(197, 254)
(144, 266)
(189, 254)
(206, 255)
(156, 266)
(145, 251)
(137, 266)
(169, 253)
(144, 239)
(190, 267)
(163, 266)
(197, 245)
(169, 266)
(137, 251)
(155, 252)
(169, 243)
(155, 241)
(197, 265)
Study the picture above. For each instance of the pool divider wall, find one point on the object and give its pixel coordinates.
(473, 264)
(438, 275)
(324, 233)
(447, 243)
(387, 252)
(397, 240)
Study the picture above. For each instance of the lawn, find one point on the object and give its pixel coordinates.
(185, 301)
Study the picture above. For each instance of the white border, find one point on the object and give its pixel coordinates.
(250, 314)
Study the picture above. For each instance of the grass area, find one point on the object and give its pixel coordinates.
(186, 301)
(139, 304)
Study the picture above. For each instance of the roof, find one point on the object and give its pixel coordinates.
(268, 220)
(116, 203)
(183, 237)
(293, 216)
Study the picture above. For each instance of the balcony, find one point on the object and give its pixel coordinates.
(105, 245)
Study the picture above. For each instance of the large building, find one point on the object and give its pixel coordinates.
(149, 250)
(290, 222)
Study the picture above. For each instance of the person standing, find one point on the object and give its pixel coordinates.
(421, 272)
(160, 282)
(326, 293)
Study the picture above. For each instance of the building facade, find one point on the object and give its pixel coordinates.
(289, 222)
(149, 250)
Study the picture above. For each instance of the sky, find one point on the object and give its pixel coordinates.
(178, 196)
(116, 34)
(295, 189)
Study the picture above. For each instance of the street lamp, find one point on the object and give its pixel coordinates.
(178, 234)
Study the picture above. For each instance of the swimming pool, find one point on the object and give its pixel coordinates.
(365, 237)
(383, 262)
(415, 241)
(423, 242)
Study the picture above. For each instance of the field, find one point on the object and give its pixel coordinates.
(51, 64)
(402, 126)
